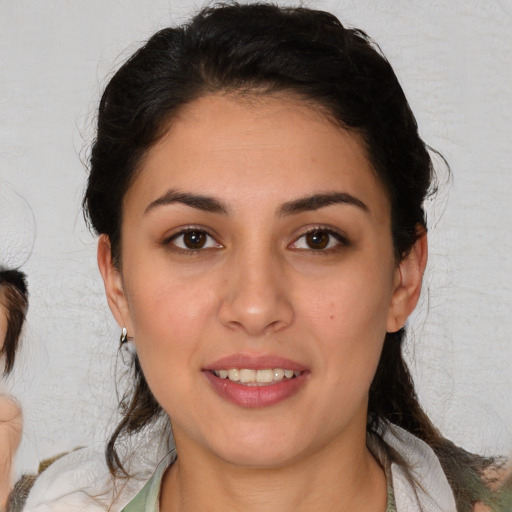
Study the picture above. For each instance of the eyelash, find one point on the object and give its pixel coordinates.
(331, 233)
(171, 241)
(341, 239)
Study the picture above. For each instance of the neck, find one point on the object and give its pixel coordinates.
(334, 479)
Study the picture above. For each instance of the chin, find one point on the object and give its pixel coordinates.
(258, 449)
(258, 459)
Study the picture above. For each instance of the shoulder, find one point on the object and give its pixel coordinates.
(499, 479)
(420, 484)
(81, 481)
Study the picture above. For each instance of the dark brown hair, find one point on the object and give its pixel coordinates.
(14, 298)
(265, 49)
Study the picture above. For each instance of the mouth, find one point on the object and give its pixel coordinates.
(257, 377)
(256, 381)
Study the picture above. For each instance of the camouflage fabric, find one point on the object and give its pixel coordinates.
(19, 494)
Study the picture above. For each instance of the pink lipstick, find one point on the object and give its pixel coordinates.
(256, 381)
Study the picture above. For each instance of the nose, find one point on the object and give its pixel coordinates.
(256, 297)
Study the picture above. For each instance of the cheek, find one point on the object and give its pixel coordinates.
(169, 322)
(349, 320)
(349, 305)
(168, 316)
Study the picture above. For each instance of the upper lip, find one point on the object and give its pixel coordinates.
(255, 362)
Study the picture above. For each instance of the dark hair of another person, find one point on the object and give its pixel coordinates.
(14, 298)
(264, 49)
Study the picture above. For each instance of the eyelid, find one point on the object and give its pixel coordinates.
(183, 230)
(341, 238)
(335, 233)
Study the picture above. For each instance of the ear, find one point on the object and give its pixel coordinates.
(407, 283)
(113, 282)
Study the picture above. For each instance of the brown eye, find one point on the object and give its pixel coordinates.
(321, 240)
(317, 239)
(194, 240)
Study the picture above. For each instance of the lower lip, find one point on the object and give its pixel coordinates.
(256, 396)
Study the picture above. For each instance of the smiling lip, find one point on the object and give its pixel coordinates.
(253, 362)
(255, 396)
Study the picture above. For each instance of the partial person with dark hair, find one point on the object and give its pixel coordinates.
(13, 309)
(14, 304)
(257, 184)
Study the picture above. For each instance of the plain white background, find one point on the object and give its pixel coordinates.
(454, 60)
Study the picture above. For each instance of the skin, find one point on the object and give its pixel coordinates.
(258, 288)
(10, 426)
(3, 320)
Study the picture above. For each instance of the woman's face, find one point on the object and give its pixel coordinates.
(3, 320)
(256, 245)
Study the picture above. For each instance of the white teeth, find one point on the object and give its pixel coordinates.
(256, 377)
(234, 375)
(278, 374)
(247, 376)
(265, 376)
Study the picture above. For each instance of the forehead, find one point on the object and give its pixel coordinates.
(255, 146)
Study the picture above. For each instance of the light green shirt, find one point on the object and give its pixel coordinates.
(147, 500)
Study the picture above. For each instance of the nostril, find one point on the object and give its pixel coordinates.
(254, 320)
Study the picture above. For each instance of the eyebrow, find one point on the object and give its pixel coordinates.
(212, 205)
(317, 201)
(200, 202)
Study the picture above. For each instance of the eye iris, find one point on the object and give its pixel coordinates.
(194, 239)
(317, 239)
